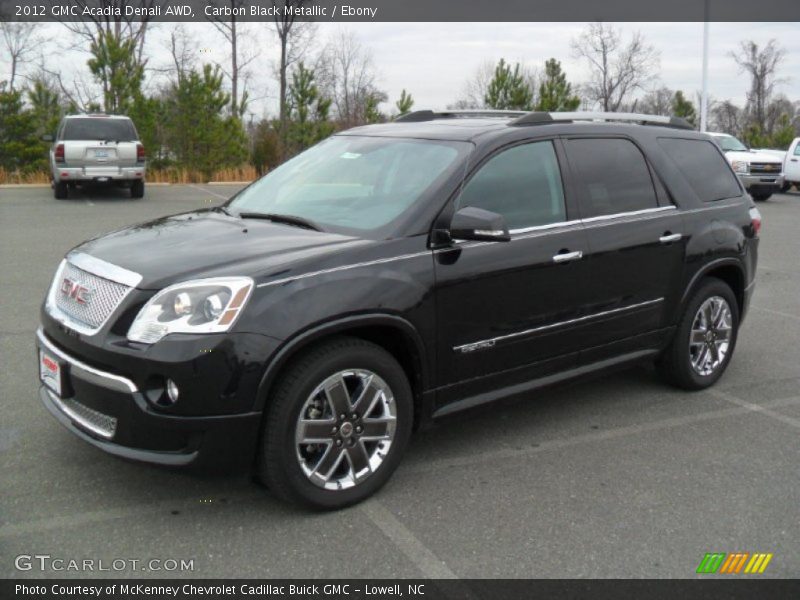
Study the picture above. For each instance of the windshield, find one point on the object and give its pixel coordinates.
(728, 143)
(99, 128)
(352, 183)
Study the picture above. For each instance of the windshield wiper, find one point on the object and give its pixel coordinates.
(278, 218)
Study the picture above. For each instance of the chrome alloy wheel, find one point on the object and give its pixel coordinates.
(710, 338)
(345, 429)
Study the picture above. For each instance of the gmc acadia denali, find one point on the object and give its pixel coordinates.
(394, 274)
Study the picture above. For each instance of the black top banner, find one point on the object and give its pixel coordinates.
(402, 10)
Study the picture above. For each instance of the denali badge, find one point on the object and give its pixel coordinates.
(75, 291)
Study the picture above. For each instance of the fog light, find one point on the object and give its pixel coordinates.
(172, 391)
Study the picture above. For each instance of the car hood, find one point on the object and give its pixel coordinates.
(207, 243)
(751, 156)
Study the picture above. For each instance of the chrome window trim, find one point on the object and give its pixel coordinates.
(490, 342)
(83, 371)
(631, 213)
(104, 269)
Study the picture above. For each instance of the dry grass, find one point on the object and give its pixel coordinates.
(169, 175)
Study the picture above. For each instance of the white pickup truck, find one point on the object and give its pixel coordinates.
(96, 148)
(760, 173)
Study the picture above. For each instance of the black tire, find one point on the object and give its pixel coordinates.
(675, 364)
(278, 464)
(60, 190)
(786, 187)
(761, 197)
(137, 189)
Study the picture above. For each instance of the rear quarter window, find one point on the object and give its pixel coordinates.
(704, 168)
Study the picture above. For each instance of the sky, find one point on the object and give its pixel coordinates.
(433, 61)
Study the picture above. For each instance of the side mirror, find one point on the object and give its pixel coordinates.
(471, 223)
(47, 137)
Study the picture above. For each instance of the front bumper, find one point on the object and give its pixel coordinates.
(762, 182)
(99, 174)
(112, 413)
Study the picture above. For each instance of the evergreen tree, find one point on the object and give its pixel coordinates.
(20, 147)
(683, 107)
(308, 110)
(199, 130)
(508, 89)
(116, 69)
(46, 111)
(405, 103)
(784, 133)
(555, 93)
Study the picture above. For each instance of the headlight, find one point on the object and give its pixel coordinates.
(201, 306)
(740, 166)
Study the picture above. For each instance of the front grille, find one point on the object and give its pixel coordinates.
(765, 168)
(89, 418)
(101, 298)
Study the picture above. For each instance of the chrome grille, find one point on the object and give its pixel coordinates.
(103, 298)
(90, 419)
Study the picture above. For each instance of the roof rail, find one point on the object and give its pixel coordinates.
(540, 118)
(429, 115)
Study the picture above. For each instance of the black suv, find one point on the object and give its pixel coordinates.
(394, 274)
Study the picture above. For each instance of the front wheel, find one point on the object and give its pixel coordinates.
(337, 425)
(705, 338)
(761, 197)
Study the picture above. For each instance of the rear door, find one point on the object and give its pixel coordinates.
(635, 243)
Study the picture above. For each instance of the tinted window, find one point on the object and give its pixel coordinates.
(99, 128)
(706, 171)
(612, 176)
(797, 150)
(523, 184)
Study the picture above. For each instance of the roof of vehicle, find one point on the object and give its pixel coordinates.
(96, 115)
(717, 134)
(473, 125)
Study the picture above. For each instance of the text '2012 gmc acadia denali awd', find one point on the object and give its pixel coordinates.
(393, 274)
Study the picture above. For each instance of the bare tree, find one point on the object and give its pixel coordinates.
(235, 34)
(116, 22)
(474, 93)
(618, 69)
(182, 49)
(347, 75)
(761, 64)
(21, 42)
(726, 117)
(294, 38)
(657, 101)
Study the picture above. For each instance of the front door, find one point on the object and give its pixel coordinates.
(509, 311)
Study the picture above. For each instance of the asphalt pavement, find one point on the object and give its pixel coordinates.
(619, 477)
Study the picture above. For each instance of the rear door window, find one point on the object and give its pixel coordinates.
(612, 176)
(703, 167)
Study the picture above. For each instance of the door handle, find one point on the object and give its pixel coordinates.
(793, 159)
(670, 237)
(563, 257)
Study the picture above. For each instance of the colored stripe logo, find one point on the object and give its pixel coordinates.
(734, 563)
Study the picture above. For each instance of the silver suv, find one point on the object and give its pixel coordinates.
(96, 148)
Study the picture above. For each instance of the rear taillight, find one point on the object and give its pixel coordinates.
(755, 220)
(59, 153)
(139, 153)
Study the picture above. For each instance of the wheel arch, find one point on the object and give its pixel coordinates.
(729, 270)
(394, 334)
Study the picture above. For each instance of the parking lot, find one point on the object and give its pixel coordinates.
(621, 477)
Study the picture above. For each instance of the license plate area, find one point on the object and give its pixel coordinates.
(52, 372)
(101, 153)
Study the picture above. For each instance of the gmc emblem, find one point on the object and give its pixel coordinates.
(75, 291)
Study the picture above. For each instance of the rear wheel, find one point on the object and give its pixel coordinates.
(137, 189)
(337, 425)
(705, 338)
(60, 190)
